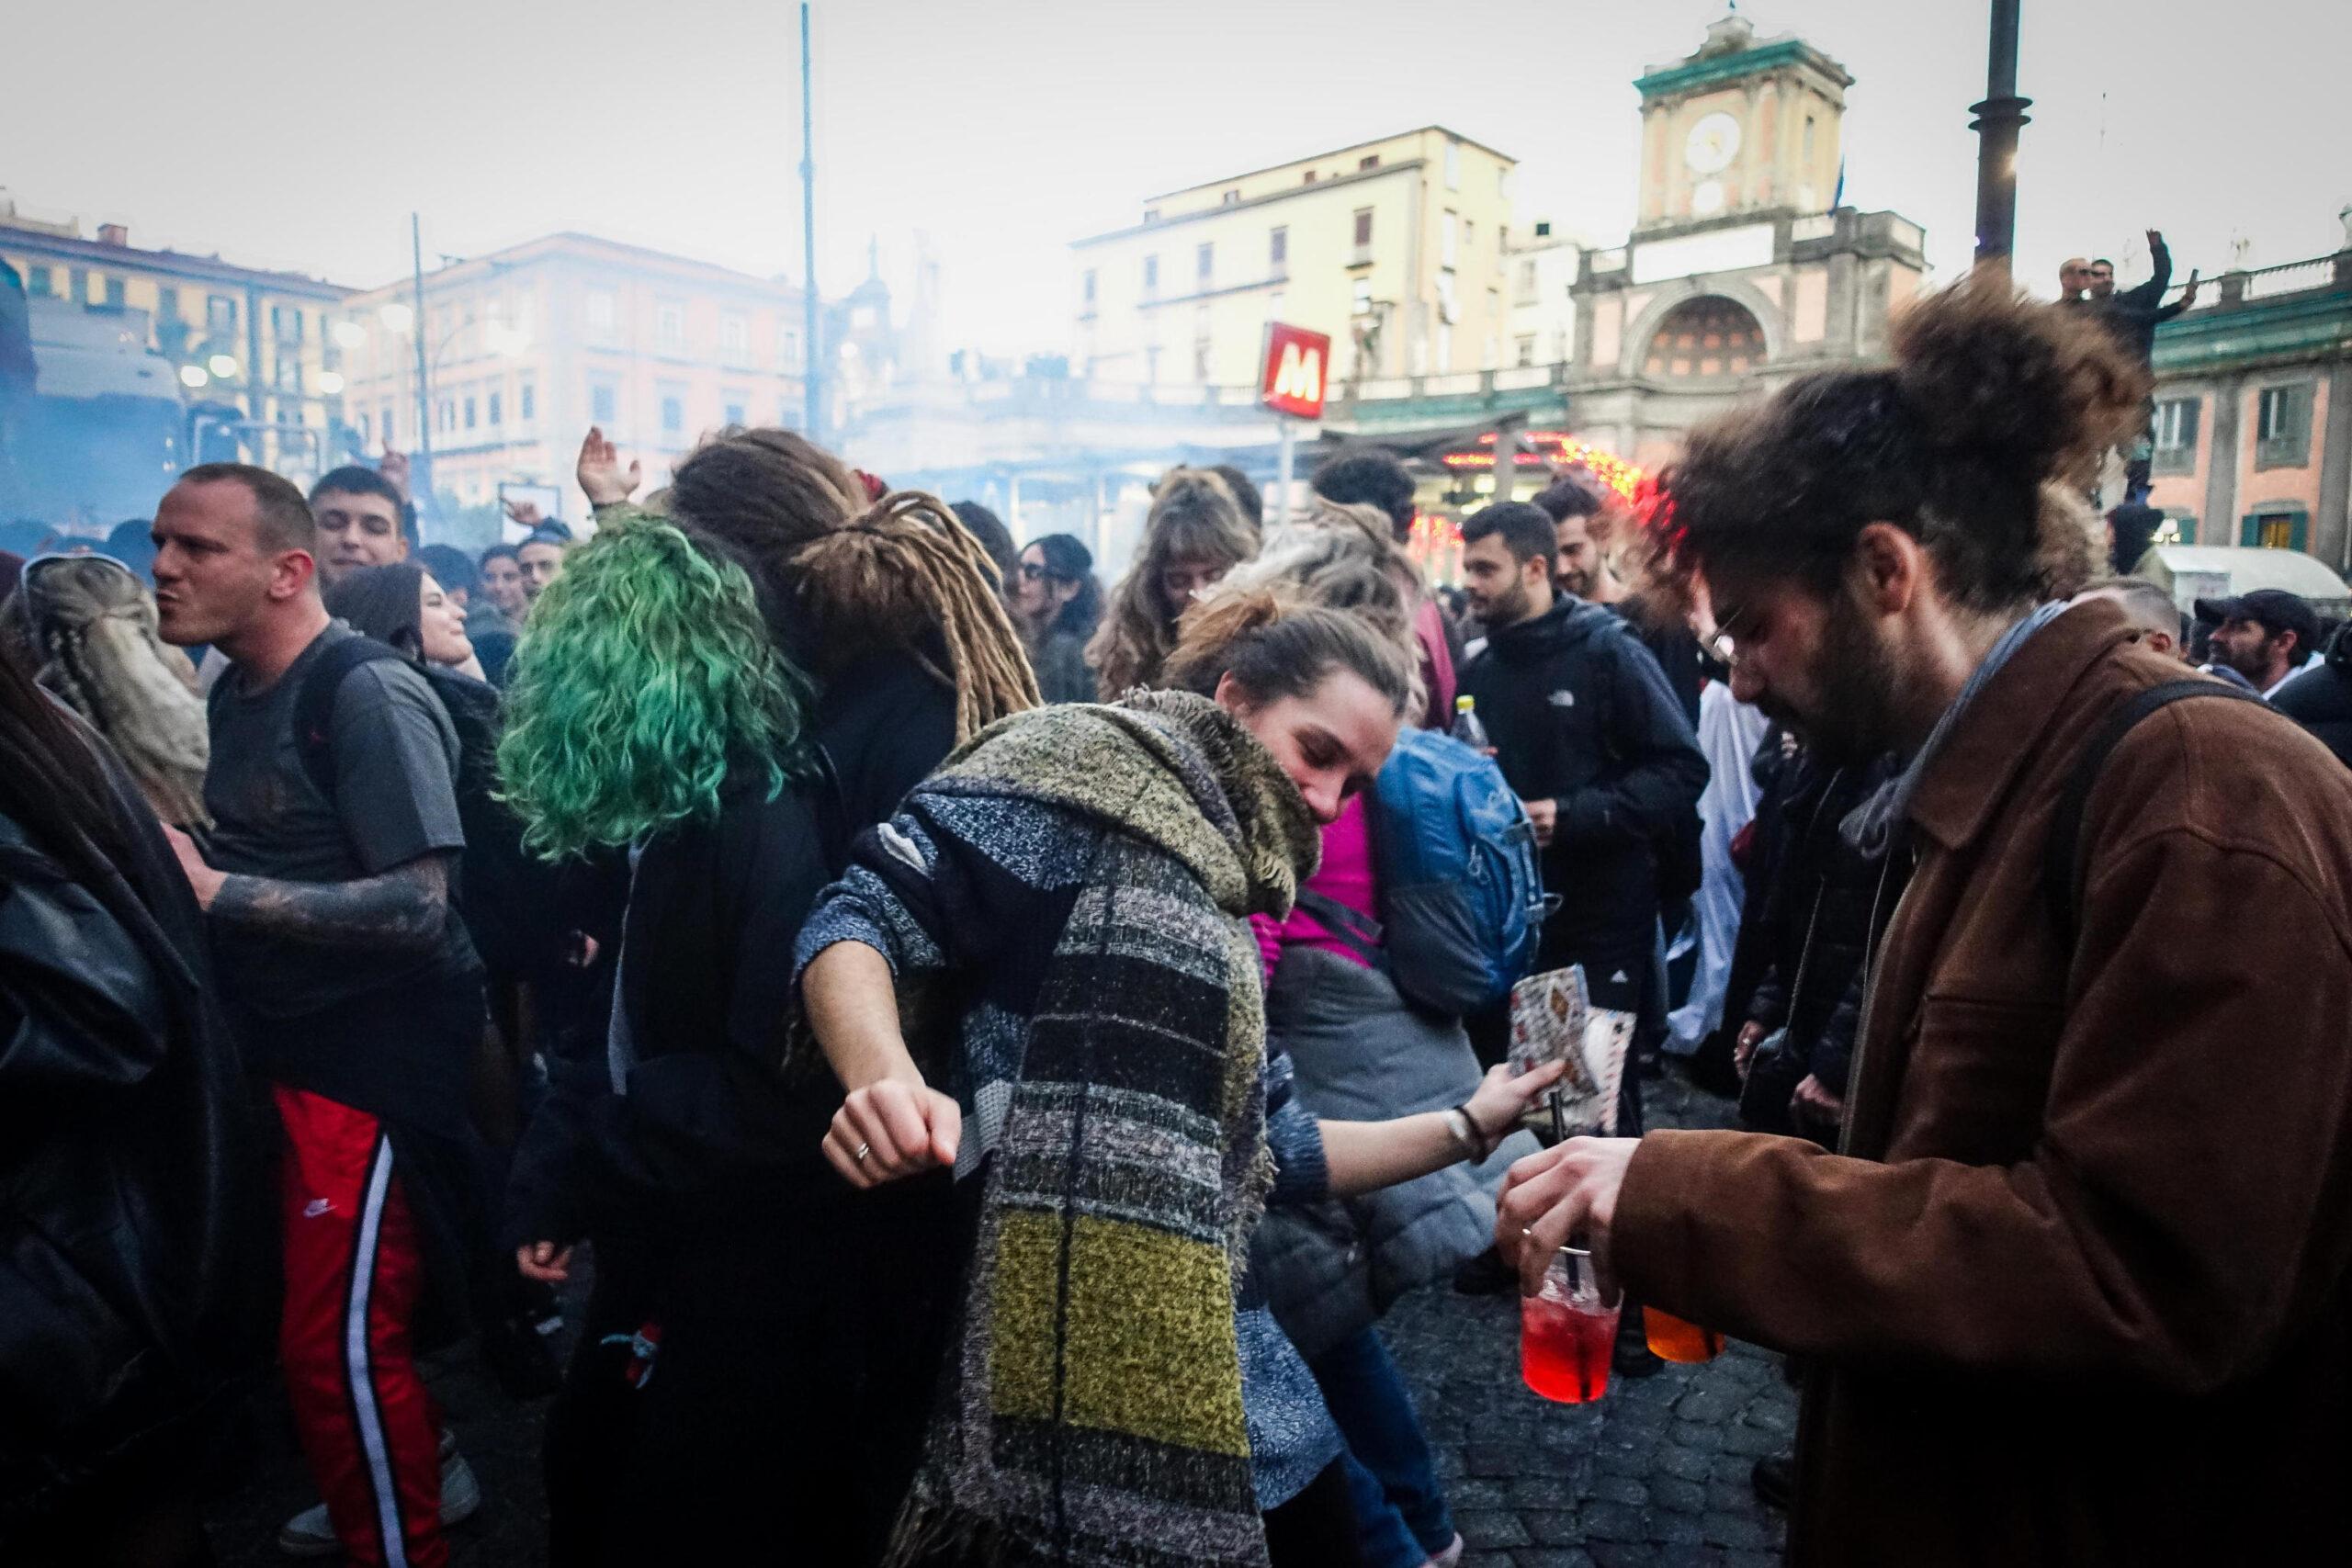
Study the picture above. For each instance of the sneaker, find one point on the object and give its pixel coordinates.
(1450, 1558)
(1774, 1478)
(308, 1533)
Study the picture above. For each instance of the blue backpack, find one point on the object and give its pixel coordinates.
(1462, 903)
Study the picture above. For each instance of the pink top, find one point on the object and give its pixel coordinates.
(1437, 665)
(1345, 877)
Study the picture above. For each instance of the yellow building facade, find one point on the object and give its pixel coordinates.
(1396, 248)
(258, 354)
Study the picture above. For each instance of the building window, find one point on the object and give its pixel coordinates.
(1274, 303)
(526, 402)
(1449, 239)
(448, 414)
(113, 287)
(290, 374)
(734, 339)
(220, 313)
(674, 414)
(36, 282)
(603, 315)
(1150, 276)
(1360, 304)
(1230, 198)
(1808, 142)
(788, 349)
(385, 426)
(286, 323)
(604, 404)
(497, 416)
(2280, 530)
(670, 328)
(470, 413)
(1205, 267)
(1524, 352)
(732, 412)
(1278, 250)
(1371, 161)
(1086, 288)
(1152, 215)
(1364, 227)
(2176, 436)
(1309, 179)
(1454, 165)
(363, 433)
(2283, 426)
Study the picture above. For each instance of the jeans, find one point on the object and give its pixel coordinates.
(1401, 1517)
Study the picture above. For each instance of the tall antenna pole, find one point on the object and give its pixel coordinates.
(812, 391)
(423, 486)
(1998, 119)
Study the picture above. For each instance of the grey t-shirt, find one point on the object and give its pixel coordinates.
(395, 759)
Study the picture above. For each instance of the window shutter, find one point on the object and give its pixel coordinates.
(2298, 441)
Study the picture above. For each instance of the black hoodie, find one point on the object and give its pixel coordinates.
(1580, 713)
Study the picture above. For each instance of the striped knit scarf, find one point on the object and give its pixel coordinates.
(1092, 1412)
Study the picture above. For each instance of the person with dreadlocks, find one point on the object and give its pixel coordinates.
(660, 708)
(1194, 534)
(1050, 942)
(85, 627)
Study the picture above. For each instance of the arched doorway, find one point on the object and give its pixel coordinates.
(1705, 336)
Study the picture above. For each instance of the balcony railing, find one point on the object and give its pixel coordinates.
(2270, 282)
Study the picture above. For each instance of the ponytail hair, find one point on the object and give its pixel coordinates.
(645, 676)
(1276, 647)
(840, 574)
(1994, 408)
(907, 562)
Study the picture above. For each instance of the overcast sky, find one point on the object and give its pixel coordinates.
(292, 134)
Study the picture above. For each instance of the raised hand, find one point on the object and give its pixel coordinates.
(601, 474)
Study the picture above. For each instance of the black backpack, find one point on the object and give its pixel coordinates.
(500, 888)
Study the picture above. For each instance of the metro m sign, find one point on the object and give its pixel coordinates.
(1292, 380)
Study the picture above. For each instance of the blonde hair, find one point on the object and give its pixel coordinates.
(1194, 517)
(85, 627)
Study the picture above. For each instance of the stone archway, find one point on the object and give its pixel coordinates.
(1697, 304)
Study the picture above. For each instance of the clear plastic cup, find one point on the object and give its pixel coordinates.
(1567, 1332)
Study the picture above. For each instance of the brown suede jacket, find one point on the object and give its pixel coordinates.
(2076, 1291)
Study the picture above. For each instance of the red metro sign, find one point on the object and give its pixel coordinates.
(1297, 363)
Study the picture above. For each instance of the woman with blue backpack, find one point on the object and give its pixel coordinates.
(1369, 1018)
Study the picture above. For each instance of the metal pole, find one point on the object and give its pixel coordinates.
(423, 497)
(811, 391)
(1998, 119)
(1289, 428)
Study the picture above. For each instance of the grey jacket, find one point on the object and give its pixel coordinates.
(1332, 1267)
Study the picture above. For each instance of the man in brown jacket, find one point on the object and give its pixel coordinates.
(2074, 1291)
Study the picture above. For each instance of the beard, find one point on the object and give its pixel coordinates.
(1505, 609)
(2249, 659)
(1576, 584)
(1851, 718)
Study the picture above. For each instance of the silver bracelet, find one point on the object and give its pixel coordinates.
(1464, 1132)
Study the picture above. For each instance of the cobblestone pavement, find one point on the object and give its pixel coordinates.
(1656, 1474)
(1653, 1475)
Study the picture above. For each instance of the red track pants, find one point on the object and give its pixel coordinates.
(354, 1273)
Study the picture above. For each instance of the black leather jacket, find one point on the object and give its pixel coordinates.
(133, 1269)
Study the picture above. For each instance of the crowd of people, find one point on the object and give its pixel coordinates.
(967, 1032)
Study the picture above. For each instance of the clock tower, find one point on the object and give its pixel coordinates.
(1742, 127)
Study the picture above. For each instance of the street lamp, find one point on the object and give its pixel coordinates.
(225, 366)
(194, 377)
(349, 335)
(1998, 119)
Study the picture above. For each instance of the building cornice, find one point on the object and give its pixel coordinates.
(1706, 71)
(1360, 176)
(1338, 152)
(179, 264)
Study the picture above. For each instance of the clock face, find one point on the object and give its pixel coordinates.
(1712, 144)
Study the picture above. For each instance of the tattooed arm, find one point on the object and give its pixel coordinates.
(404, 908)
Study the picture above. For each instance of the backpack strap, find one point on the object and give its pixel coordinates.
(314, 705)
(1356, 932)
(2063, 869)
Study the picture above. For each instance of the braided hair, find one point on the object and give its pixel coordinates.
(841, 575)
(85, 627)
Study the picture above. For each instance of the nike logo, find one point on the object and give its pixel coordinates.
(315, 1207)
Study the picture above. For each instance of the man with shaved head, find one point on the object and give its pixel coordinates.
(2146, 606)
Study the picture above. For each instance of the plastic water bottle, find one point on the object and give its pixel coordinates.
(1467, 727)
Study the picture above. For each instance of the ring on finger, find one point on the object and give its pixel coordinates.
(863, 1150)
